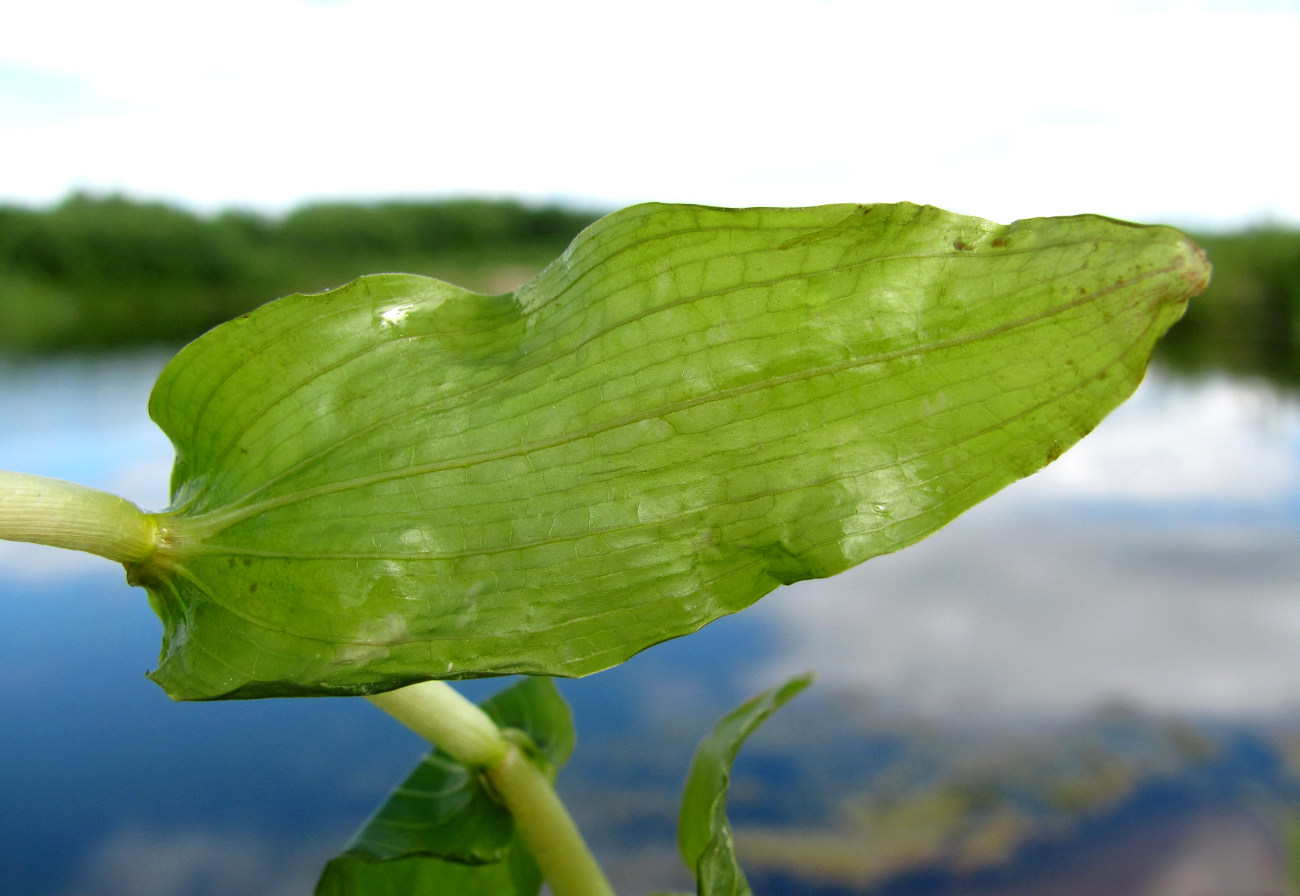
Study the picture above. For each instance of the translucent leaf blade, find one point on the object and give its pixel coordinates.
(400, 480)
(704, 833)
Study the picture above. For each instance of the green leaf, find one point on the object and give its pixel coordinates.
(442, 831)
(703, 833)
(535, 707)
(401, 480)
(441, 810)
(515, 875)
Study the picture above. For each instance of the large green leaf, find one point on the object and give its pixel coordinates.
(399, 480)
(703, 833)
(442, 831)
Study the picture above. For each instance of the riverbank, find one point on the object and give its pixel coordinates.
(99, 273)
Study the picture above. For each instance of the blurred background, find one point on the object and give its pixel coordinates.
(1089, 684)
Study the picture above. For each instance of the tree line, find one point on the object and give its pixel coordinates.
(100, 272)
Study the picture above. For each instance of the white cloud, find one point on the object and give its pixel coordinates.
(1179, 442)
(144, 862)
(995, 618)
(1166, 110)
(1025, 606)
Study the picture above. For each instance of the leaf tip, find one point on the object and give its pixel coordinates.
(1197, 269)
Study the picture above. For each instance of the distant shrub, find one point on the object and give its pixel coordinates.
(106, 271)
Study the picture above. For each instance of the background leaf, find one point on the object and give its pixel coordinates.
(515, 875)
(441, 831)
(703, 833)
(399, 480)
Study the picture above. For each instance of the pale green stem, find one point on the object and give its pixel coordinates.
(67, 515)
(437, 712)
(546, 827)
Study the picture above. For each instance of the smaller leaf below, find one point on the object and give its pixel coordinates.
(704, 834)
(441, 830)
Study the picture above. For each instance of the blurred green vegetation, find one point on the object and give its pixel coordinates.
(102, 272)
(1248, 321)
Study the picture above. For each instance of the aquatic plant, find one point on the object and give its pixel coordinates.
(399, 482)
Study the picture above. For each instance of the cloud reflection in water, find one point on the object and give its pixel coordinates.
(1156, 563)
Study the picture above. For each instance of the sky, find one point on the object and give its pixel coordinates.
(1177, 111)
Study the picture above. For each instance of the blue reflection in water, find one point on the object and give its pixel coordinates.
(95, 755)
(1154, 565)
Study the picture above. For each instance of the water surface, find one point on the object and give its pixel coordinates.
(1153, 568)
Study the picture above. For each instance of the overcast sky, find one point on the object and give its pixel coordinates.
(1181, 112)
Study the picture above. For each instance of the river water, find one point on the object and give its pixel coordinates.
(1153, 567)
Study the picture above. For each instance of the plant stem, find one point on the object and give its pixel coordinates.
(67, 515)
(547, 828)
(438, 713)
